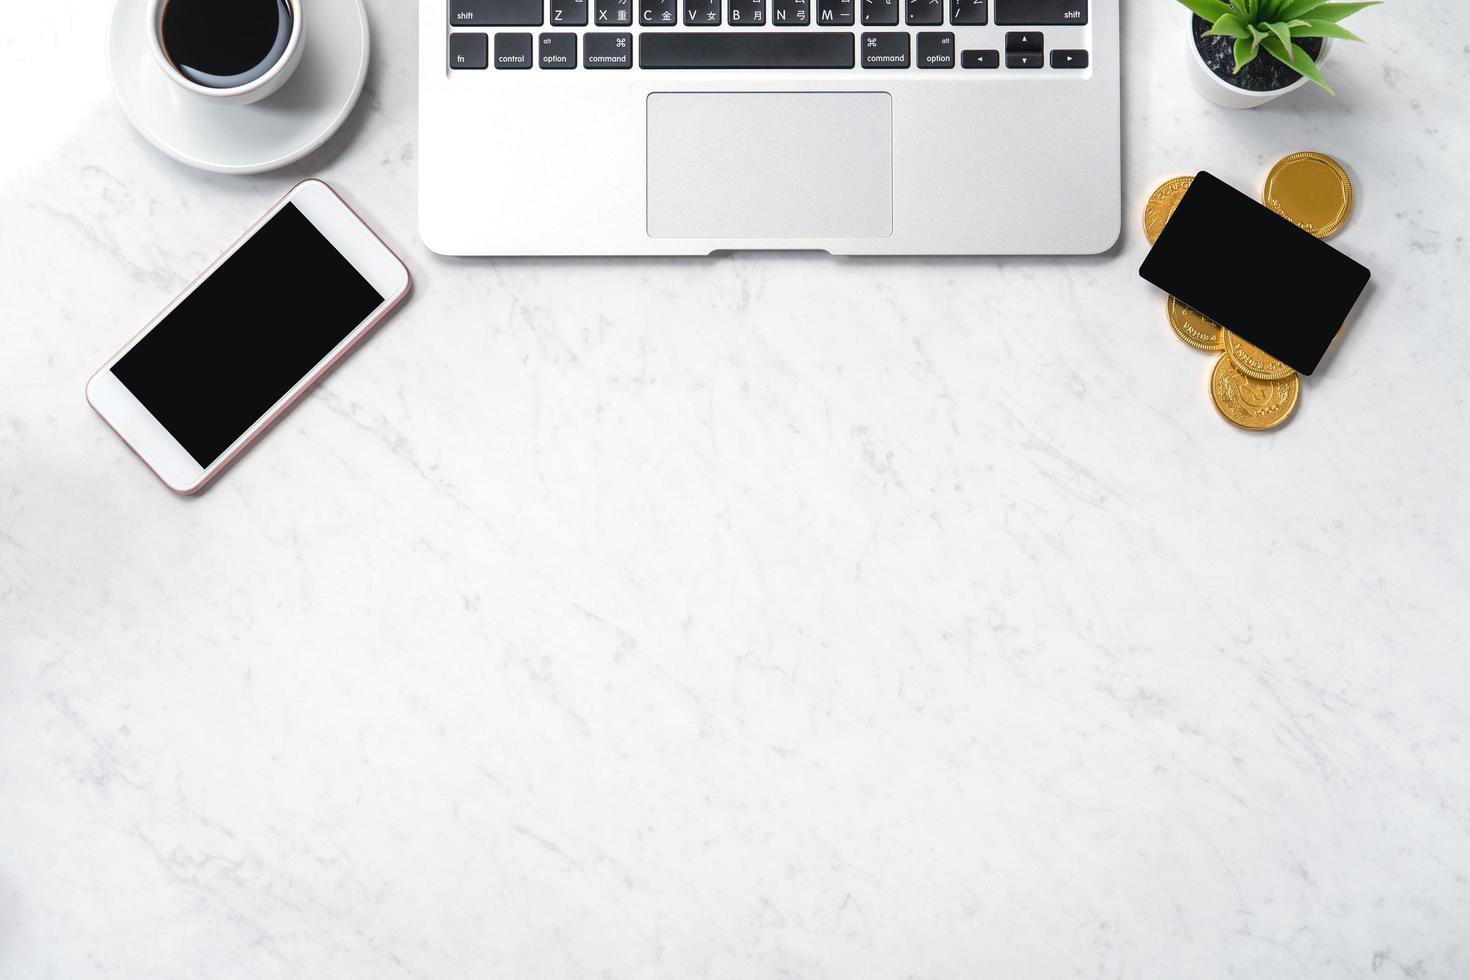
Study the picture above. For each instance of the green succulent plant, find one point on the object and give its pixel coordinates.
(1276, 25)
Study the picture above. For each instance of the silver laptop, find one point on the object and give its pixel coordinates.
(682, 127)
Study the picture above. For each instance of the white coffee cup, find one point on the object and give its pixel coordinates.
(253, 90)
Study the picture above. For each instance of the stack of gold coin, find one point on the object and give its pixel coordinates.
(1249, 387)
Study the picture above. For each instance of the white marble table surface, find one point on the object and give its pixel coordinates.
(768, 616)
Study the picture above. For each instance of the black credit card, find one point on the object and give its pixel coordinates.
(1253, 272)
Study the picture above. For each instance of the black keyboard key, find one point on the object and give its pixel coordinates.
(513, 51)
(980, 59)
(1068, 59)
(568, 13)
(935, 49)
(773, 49)
(495, 13)
(880, 13)
(608, 50)
(658, 13)
(791, 13)
(1029, 12)
(1024, 41)
(889, 50)
(469, 50)
(1023, 59)
(834, 13)
(701, 13)
(612, 13)
(557, 51)
(747, 13)
(968, 13)
(924, 13)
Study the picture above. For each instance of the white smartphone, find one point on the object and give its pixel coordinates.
(250, 336)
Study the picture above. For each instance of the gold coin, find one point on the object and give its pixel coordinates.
(1254, 362)
(1312, 191)
(1161, 205)
(1197, 331)
(1249, 402)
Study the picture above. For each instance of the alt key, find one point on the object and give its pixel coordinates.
(936, 49)
(557, 51)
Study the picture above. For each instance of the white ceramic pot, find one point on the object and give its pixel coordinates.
(244, 94)
(1221, 92)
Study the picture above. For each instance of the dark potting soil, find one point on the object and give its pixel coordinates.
(1265, 74)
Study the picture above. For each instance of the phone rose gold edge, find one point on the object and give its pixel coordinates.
(268, 421)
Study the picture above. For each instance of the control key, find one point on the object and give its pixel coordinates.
(513, 51)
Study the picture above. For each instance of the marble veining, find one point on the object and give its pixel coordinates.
(768, 616)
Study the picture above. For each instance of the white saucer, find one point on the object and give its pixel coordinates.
(244, 139)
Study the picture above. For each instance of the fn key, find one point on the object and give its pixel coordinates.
(469, 51)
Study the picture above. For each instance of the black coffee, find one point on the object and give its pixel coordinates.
(225, 43)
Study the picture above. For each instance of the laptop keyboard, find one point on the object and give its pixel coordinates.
(771, 34)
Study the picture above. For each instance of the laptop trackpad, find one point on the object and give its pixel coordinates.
(770, 165)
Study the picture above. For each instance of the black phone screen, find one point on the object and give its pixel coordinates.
(1253, 272)
(247, 334)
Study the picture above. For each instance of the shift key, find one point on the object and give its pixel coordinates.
(496, 13)
(1040, 13)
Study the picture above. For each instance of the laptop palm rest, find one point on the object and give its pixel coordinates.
(770, 165)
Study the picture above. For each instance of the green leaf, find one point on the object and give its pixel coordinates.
(1228, 26)
(1300, 8)
(1322, 28)
(1245, 53)
(1294, 57)
(1282, 32)
(1210, 10)
(1339, 11)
